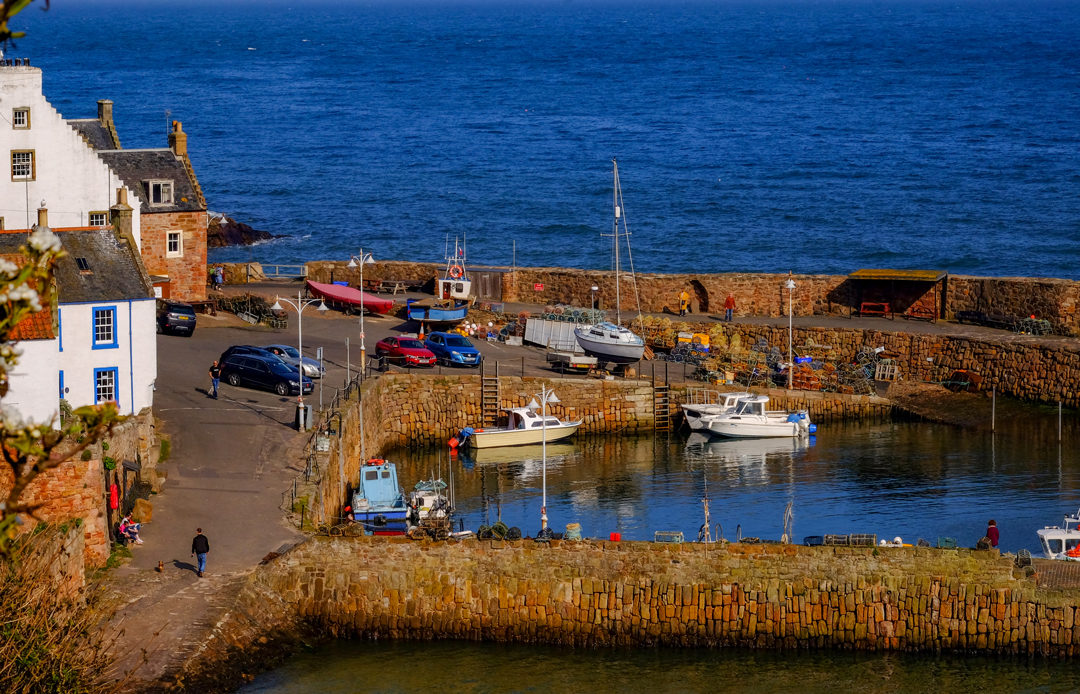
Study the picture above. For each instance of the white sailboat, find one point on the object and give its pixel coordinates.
(611, 342)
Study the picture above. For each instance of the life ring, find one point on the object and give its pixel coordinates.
(1074, 552)
(455, 271)
(376, 461)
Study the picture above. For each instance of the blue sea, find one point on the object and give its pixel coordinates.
(819, 136)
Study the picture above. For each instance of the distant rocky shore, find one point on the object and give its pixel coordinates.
(222, 230)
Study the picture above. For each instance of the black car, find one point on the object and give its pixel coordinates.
(175, 317)
(260, 372)
(249, 349)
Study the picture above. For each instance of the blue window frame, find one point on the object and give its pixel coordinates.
(61, 384)
(106, 385)
(103, 328)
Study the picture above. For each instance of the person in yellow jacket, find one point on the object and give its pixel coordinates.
(684, 302)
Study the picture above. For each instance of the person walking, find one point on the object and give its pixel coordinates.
(684, 302)
(729, 307)
(992, 533)
(215, 379)
(200, 547)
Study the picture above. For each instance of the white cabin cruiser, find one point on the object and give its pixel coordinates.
(610, 342)
(708, 402)
(750, 419)
(524, 425)
(1062, 542)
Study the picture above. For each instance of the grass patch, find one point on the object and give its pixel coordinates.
(164, 450)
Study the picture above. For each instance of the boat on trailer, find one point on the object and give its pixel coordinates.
(349, 298)
(1061, 542)
(379, 503)
(437, 312)
(751, 419)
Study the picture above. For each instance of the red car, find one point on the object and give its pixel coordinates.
(405, 350)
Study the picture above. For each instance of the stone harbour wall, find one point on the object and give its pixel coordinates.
(756, 294)
(597, 593)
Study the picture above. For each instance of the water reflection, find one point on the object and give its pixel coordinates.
(903, 478)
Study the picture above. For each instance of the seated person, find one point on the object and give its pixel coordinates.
(130, 530)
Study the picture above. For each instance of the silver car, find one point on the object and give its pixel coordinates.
(289, 355)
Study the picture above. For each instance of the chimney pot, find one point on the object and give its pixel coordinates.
(104, 111)
(42, 217)
(178, 140)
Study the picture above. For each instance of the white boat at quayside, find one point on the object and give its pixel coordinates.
(1062, 542)
(700, 403)
(524, 425)
(750, 419)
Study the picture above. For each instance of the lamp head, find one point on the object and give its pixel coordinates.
(790, 284)
(352, 262)
(533, 404)
(276, 306)
(595, 288)
(552, 398)
(322, 306)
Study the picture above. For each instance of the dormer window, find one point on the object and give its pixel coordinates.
(161, 192)
(20, 118)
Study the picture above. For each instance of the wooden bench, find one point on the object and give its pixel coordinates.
(875, 308)
(921, 313)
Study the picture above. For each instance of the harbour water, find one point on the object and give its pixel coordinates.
(908, 479)
(784, 135)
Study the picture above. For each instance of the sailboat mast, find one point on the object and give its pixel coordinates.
(615, 238)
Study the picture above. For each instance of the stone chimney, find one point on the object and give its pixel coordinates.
(42, 217)
(120, 215)
(104, 112)
(178, 140)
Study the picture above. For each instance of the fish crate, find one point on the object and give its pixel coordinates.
(862, 539)
(668, 536)
(836, 540)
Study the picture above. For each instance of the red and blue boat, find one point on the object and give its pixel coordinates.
(379, 502)
(349, 298)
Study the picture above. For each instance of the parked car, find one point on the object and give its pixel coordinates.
(405, 350)
(249, 349)
(290, 355)
(451, 348)
(175, 317)
(261, 372)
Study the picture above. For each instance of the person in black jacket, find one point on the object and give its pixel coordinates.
(200, 547)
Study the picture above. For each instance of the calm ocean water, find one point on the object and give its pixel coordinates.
(817, 136)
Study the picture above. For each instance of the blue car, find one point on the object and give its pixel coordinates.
(451, 348)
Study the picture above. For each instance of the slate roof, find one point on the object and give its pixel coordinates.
(115, 272)
(35, 326)
(95, 134)
(136, 166)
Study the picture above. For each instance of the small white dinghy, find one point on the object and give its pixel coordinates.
(524, 425)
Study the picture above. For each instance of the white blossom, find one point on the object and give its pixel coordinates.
(44, 240)
(25, 292)
(11, 419)
(8, 268)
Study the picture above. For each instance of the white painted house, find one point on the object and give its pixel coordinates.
(98, 348)
(50, 161)
(99, 342)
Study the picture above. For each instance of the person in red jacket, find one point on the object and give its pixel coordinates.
(729, 307)
(992, 533)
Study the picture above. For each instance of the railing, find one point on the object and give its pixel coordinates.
(276, 272)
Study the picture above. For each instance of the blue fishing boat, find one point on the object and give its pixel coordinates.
(379, 502)
(438, 313)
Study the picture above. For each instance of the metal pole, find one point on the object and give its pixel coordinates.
(363, 351)
(1059, 421)
(791, 363)
(348, 365)
(543, 451)
(321, 368)
(300, 364)
(993, 409)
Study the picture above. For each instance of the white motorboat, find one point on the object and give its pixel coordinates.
(524, 425)
(750, 419)
(611, 342)
(701, 402)
(1062, 542)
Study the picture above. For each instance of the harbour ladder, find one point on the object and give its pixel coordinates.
(661, 408)
(489, 396)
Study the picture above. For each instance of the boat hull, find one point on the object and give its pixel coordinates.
(438, 316)
(493, 438)
(383, 522)
(349, 296)
(746, 428)
(612, 352)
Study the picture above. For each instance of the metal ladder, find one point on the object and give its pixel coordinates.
(489, 396)
(661, 408)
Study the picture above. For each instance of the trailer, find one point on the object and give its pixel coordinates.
(571, 361)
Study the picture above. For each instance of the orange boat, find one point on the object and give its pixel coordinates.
(340, 296)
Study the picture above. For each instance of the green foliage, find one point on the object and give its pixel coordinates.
(164, 450)
(86, 455)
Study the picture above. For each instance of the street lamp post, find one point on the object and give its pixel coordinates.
(361, 261)
(790, 286)
(546, 395)
(299, 305)
(594, 290)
